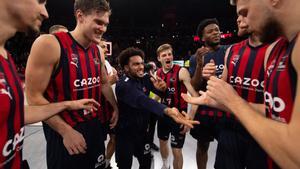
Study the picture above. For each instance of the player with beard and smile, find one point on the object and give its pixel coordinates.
(278, 134)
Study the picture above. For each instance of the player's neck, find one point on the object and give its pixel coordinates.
(291, 32)
(254, 40)
(213, 48)
(80, 38)
(165, 70)
(290, 20)
(7, 27)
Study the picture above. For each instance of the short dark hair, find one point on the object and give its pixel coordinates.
(54, 28)
(204, 23)
(126, 54)
(87, 6)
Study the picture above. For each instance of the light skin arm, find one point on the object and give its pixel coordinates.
(185, 77)
(43, 58)
(108, 92)
(38, 113)
(280, 140)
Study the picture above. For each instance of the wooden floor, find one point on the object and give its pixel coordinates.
(35, 151)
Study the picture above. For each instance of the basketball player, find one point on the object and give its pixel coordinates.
(211, 55)
(178, 81)
(24, 16)
(244, 70)
(132, 90)
(68, 66)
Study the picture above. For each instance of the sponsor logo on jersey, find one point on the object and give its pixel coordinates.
(96, 61)
(90, 82)
(271, 68)
(235, 59)
(100, 161)
(247, 82)
(4, 89)
(274, 103)
(281, 65)
(12, 145)
(74, 60)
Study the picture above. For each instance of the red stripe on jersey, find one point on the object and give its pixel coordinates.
(175, 88)
(281, 80)
(77, 77)
(12, 115)
(246, 70)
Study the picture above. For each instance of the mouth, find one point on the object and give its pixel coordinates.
(168, 62)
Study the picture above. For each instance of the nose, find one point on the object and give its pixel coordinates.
(102, 28)
(44, 12)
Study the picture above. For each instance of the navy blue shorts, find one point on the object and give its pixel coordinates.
(132, 143)
(238, 150)
(58, 156)
(165, 127)
(206, 131)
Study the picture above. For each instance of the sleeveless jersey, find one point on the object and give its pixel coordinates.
(245, 66)
(175, 88)
(11, 115)
(281, 81)
(77, 77)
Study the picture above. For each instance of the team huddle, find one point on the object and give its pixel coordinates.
(244, 95)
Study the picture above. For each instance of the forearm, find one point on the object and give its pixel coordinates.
(38, 113)
(193, 111)
(259, 108)
(55, 122)
(197, 80)
(273, 136)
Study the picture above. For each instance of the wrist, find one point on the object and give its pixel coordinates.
(63, 129)
(235, 104)
(66, 105)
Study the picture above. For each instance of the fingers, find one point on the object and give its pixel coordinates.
(185, 130)
(75, 144)
(186, 97)
(201, 92)
(94, 102)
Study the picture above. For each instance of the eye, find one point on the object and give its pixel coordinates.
(42, 1)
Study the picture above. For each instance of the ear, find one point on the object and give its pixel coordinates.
(126, 68)
(79, 15)
(158, 58)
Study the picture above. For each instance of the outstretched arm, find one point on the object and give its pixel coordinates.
(38, 113)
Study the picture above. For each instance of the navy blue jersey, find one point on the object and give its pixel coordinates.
(134, 104)
(218, 57)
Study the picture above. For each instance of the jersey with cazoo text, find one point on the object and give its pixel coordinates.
(281, 81)
(77, 77)
(11, 115)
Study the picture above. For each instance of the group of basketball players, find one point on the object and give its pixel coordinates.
(248, 91)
